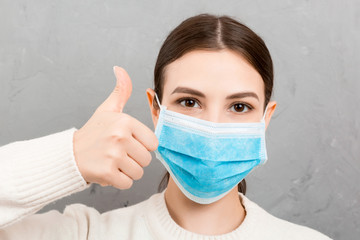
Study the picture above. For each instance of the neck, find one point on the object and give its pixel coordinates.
(220, 217)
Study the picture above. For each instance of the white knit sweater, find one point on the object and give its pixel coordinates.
(36, 172)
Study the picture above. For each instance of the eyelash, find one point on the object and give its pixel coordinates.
(241, 103)
(198, 102)
(187, 98)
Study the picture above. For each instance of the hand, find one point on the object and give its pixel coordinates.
(112, 147)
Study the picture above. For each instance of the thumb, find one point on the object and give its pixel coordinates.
(121, 93)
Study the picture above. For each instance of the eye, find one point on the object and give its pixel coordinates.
(240, 108)
(188, 102)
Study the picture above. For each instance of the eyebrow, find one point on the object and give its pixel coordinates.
(243, 95)
(200, 94)
(188, 90)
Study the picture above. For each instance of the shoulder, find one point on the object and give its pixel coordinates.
(119, 214)
(123, 223)
(276, 228)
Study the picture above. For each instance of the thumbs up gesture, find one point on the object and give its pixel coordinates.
(112, 148)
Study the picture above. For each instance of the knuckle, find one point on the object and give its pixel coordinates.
(117, 90)
(114, 155)
(127, 184)
(147, 159)
(125, 120)
(107, 173)
(109, 155)
(119, 136)
(155, 144)
(111, 162)
(120, 132)
(139, 174)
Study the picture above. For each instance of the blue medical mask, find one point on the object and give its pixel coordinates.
(207, 159)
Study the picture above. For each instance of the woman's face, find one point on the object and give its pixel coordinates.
(217, 86)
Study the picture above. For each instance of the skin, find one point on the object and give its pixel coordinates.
(217, 86)
(112, 148)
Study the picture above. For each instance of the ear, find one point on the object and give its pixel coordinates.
(154, 111)
(270, 111)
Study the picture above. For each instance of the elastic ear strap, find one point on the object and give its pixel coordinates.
(157, 100)
(263, 118)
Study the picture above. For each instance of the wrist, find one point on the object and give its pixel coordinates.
(76, 153)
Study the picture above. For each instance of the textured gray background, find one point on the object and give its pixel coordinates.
(56, 61)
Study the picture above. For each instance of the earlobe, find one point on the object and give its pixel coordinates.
(269, 113)
(154, 112)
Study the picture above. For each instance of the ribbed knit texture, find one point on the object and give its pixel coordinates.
(258, 224)
(36, 172)
(164, 226)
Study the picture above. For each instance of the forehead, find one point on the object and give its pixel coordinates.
(222, 72)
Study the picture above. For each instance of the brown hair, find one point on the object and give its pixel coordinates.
(209, 32)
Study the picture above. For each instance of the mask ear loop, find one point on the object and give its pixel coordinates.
(158, 101)
(263, 118)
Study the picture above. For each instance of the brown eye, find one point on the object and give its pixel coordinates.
(240, 108)
(189, 103)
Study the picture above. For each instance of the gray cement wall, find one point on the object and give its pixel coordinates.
(56, 61)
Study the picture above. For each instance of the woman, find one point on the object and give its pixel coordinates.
(210, 106)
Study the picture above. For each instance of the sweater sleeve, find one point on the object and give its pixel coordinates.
(77, 222)
(36, 172)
